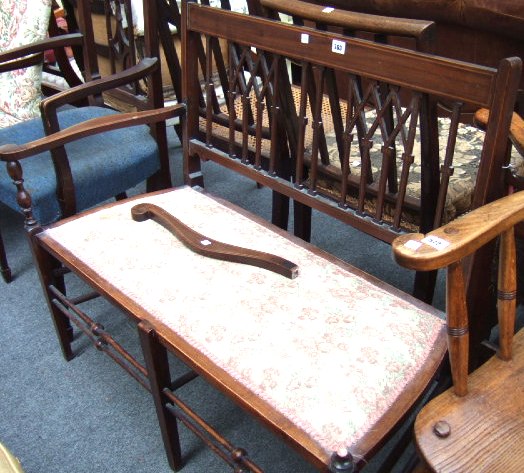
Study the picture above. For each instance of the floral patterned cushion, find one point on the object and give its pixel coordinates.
(462, 182)
(21, 22)
(288, 341)
(466, 161)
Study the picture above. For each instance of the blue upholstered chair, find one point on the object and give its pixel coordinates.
(71, 169)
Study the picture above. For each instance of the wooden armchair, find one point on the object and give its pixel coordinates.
(477, 425)
(62, 162)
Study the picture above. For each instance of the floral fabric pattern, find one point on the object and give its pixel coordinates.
(330, 350)
(21, 22)
(462, 181)
(466, 160)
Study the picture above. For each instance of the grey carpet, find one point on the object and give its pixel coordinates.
(88, 415)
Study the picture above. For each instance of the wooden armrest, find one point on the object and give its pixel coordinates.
(30, 54)
(49, 105)
(353, 20)
(11, 152)
(516, 130)
(459, 238)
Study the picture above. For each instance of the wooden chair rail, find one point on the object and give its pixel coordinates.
(11, 153)
(420, 29)
(389, 65)
(96, 87)
(73, 39)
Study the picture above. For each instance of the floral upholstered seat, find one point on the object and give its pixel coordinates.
(330, 350)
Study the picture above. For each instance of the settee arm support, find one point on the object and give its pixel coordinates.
(447, 246)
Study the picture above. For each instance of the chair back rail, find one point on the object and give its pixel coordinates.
(382, 27)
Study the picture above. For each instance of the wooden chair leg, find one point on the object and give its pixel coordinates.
(51, 278)
(157, 365)
(302, 221)
(280, 210)
(4, 266)
(424, 285)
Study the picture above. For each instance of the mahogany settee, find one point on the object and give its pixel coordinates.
(151, 295)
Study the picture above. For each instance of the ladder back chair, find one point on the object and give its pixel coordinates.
(380, 177)
(59, 163)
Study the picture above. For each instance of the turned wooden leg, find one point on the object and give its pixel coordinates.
(302, 221)
(424, 285)
(280, 210)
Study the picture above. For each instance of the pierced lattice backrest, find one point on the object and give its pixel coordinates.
(361, 127)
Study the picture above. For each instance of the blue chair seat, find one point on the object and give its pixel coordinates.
(102, 165)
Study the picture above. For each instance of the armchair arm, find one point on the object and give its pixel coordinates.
(49, 105)
(30, 54)
(419, 29)
(516, 130)
(448, 246)
(461, 237)
(11, 152)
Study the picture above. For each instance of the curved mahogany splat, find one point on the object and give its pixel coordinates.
(211, 248)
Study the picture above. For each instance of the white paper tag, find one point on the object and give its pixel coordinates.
(338, 46)
(328, 10)
(413, 245)
(304, 38)
(435, 242)
(205, 242)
